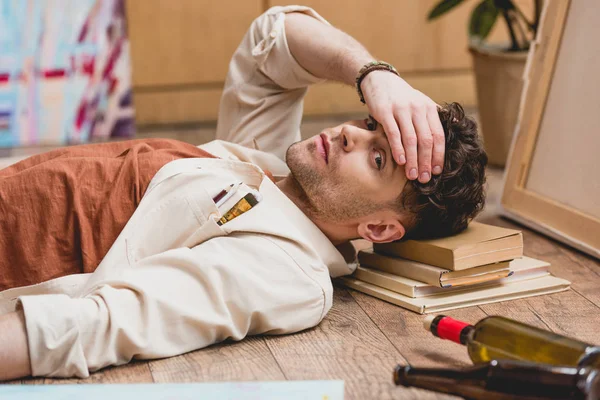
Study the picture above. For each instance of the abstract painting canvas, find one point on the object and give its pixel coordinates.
(65, 72)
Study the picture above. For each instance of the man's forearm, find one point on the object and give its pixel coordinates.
(323, 50)
(14, 350)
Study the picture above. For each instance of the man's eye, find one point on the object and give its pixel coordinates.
(370, 123)
(378, 160)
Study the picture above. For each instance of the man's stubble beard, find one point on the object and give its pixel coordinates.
(325, 198)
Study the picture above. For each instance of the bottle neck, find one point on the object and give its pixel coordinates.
(451, 329)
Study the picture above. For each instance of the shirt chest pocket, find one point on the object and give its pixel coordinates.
(180, 220)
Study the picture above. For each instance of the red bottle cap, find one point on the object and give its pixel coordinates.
(446, 328)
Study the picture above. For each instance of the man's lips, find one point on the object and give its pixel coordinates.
(323, 146)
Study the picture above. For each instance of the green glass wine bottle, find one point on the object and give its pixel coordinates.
(502, 338)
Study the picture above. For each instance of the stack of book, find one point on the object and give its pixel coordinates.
(482, 264)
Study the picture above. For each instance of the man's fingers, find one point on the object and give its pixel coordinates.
(439, 140)
(393, 134)
(424, 144)
(409, 141)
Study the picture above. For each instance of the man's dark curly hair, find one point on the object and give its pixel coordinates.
(447, 203)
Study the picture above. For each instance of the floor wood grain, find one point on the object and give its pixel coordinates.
(248, 360)
(363, 338)
(346, 345)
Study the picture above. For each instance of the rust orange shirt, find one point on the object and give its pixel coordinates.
(61, 211)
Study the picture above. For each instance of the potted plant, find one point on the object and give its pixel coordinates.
(498, 69)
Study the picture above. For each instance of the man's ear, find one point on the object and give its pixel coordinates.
(381, 231)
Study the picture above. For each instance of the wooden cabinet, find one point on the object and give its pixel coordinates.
(186, 42)
(181, 50)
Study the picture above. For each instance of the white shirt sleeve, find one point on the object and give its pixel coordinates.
(262, 101)
(174, 302)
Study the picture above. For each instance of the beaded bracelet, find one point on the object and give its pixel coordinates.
(367, 69)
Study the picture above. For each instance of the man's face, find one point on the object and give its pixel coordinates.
(347, 172)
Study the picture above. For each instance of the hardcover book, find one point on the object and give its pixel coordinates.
(479, 244)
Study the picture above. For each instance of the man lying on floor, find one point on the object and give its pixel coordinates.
(115, 251)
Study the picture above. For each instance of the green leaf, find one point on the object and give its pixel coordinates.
(483, 19)
(443, 7)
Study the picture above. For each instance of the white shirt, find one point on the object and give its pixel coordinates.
(174, 280)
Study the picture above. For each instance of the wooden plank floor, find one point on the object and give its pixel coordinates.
(363, 338)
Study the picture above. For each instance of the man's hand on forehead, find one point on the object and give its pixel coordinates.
(410, 121)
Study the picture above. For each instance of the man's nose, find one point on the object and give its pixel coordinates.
(352, 137)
